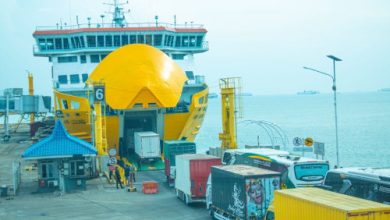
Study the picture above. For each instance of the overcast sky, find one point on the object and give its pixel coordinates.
(264, 42)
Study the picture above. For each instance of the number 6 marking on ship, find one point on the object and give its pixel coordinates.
(99, 94)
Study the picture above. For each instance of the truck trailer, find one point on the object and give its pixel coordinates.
(319, 204)
(147, 145)
(192, 171)
(171, 149)
(241, 191)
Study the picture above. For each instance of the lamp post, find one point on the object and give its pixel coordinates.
(335, 59)
(102, 16)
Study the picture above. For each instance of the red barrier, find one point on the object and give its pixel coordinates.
(149, 187)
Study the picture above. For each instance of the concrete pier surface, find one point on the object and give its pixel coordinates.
(101, 200)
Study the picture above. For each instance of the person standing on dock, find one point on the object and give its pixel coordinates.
(127, 174)
(118, 178)
(132, 173)
(111, 169)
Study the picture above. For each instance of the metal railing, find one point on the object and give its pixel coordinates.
(112, 25)
(37, 50)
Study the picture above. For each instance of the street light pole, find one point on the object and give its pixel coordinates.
(334, 88)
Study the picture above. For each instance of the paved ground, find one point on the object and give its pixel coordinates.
(100, 201)
(10, 152)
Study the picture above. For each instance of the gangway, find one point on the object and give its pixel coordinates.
(14, 102)
(231, 111)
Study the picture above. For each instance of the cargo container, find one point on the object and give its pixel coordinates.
(171, 149)
(319, 204)
(241, 191)
(192, 171)
(147, 145)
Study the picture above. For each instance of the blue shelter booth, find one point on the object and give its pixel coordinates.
(64, 161)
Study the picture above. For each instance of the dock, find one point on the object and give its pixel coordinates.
(100, 200)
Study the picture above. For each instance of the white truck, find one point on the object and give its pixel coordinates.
(147, 145)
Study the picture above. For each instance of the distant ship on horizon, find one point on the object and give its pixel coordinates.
(212, 95)
(308, 92)
(246, 94)
(385, 90)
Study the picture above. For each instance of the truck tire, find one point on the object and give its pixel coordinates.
(186, 199)
(177, 194)
(211, 213)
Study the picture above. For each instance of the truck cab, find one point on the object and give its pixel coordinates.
(208, 193)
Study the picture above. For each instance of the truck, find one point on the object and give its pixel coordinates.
(315, 203)
(241, 191)
(147, 146)
(192, 171)
(171, 149)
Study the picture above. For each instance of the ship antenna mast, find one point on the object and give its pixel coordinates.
(118, 15)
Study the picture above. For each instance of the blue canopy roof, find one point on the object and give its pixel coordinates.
(59, 144)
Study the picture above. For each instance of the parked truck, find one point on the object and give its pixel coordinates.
(241, 191)
(319, 204)
(171, 149)
(147, 146)
(192, 171)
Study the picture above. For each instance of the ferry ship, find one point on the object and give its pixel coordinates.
(308, 92)
(77, 54)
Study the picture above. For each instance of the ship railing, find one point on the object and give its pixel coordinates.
(112, 25)
(43, 49)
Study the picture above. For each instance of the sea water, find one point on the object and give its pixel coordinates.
(363, 122)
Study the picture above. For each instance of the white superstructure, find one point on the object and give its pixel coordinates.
(75, 50)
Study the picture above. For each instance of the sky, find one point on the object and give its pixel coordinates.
(265, 42)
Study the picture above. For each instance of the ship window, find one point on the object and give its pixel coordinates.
(58, 43)
(178, 41)
(74, 105)
(77, 40)
(100, 41)
(91, 40)
(148, 39)
(50, 44)
(178, 57)
(184, 41)
(66, 43)
(74, 78)
(166, 39)
(192, 41)
(42, 44)
(95, 59)
(103, 56)
(63, 79)
(190, 75)
(125, 40)
(83, 59)
(133, 39)
(171, 41)
(157, 40)
(199, 41)
(73, 42)
(82, 41)
(117, 40)
(108, 41)
(141, 39)
(84, 77)
(201, 99)
(68, 59)
(64, 104)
